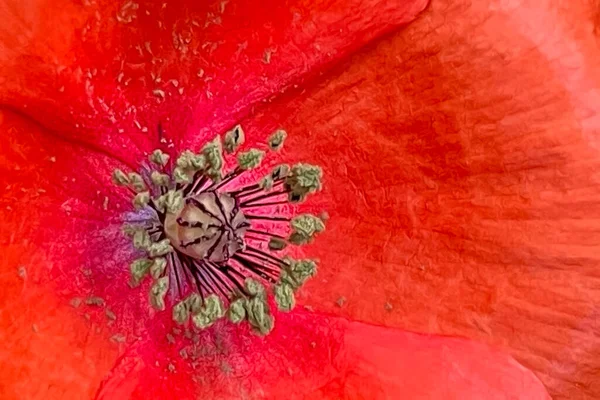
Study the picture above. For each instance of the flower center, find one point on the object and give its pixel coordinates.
(210, 227)
(213, 245)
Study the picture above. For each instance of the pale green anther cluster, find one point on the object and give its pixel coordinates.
(137, 182)
(161, 248)
(254, 288)
(184, 160)
(119, 178)
(166, 195)
(172, 201)
(294, 274)
(284, 296)
(250, 159)
(304, 227)
(233, 139)
(276, 139)
(130, 230)
(211, 311)
(180, 176)
(257, 308)
(159, 179)
(158, 267)
(259, 316)
(154, 266)
(158, 291)
(141, 200)
(141, 239)
(194, 303)
(213, 153)
(181, 312)
(139, 269)
(192, 306)
(302, 180)
(159, 158)
(188, 161)
(237, 310)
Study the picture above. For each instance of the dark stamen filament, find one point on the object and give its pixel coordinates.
(264, 254)
(267, 218)
(255, 268)
(272, 203)
(253, 187)
(274, 264)
(176, 273)
(259, 232)
(264, 196)
(260, 239)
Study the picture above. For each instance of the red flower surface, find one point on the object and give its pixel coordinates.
(458, 144)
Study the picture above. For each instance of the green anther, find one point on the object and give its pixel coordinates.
(304, 228)
(185, 160)
(158, 157)
(139, 269)
(254, 287)
(159, 179)
(130, 230)
(158, 291)
(181, 312)
(237, 311)
(234, 139)
(160, 248)
(302, 180)
(259, 316)
(172, 201)
(194, 303)
(284, 296)
(141, 239)
(141, 200)
(198, 162)
(297, 272)
(277, 244)
(137, 183)
(276, 139)
(266, 183)
(280, 171)
(211, 311)
(214, 159)
(250, 159)
(119, 178)
(158, 267)
(159, 203)
(180, 176)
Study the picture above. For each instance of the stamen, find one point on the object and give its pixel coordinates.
(249, 202)
(202, 235)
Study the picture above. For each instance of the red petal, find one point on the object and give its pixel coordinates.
(94, 76)
(52, 217)
(316, 357)
(461, 160)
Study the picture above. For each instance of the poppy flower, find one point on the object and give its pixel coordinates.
(457, 150)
